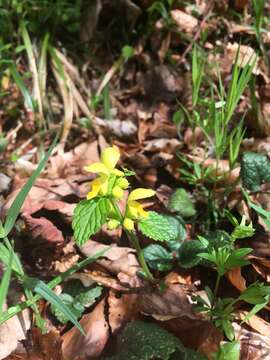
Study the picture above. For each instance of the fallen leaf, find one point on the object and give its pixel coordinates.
(236, 279)
(77, 346)
(12, 332)
(254, 346)
(115, 260)
(184, 21)
(43, 230)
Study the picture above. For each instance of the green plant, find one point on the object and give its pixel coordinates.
(14, 266)
(101, 207)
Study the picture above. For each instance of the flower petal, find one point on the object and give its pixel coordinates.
(140, 193)
(97, 167)
(117, 172)
(110, 157)
(141, 212)
(95, 187)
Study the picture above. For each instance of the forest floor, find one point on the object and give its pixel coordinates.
(181, 89)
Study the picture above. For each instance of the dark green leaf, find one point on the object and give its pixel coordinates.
(158, 258)
(159, 227)
(255, 294)
(255, 170)
(188, 253)
(217, 239)
(89, 216)
(147, 341)
(181, 203)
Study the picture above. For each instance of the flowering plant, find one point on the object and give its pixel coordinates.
(101, 207)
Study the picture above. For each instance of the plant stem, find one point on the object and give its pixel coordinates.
(135, 242)
(133, 238)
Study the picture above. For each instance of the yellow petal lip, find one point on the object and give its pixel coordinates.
(110, 157)
(95, 187)
(117, 172)
(97, 167)
(140, 193)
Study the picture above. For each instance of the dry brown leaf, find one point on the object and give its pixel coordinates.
(256, 323)
(236, 279)
(43, 229)
(122, 309)
(184, 21)
(13, 331)
(77, 346)
(172, 303)
(116, 259)
(247, 55)
(47, 345)
(46, 189)
(254, 346)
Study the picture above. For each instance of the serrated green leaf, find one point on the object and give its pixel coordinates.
(158, 258)
(89, 216)
(181, 203)
(159, 227)
(147, 341)
(188, 253)
(255, 170)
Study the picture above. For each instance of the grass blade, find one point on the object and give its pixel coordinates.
(5, 282)
(15, 207)
(19, 82)
(12, 311)
(40, 288)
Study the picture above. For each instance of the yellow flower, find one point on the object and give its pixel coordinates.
(109, 159)
(134, 208)
(98, 186)
(105, 168)
(128, 224)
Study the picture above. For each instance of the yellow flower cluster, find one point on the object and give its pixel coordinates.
(111, 182)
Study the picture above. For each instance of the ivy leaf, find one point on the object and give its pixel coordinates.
(89, 296)
(159, 227)
(76, 297)
(89, 216)
(158, 258)
(181, 203)
(147, 341)
(188, 253)
(68, 300)
(255, 170)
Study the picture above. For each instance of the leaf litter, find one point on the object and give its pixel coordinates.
(151, 131)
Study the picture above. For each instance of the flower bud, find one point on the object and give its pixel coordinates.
(128, 224)
(117, 192)
(123, 183)
(112, 224)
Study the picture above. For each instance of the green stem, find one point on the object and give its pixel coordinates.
(135, 242)
(133, 238)
(217, 286)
